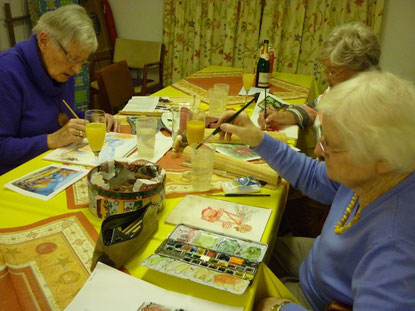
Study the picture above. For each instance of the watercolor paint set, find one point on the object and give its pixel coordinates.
(207, 257)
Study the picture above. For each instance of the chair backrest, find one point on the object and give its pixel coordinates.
(137, 53)
(115, 86)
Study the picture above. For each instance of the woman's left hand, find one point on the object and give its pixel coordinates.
(266, 304)
(112, 123)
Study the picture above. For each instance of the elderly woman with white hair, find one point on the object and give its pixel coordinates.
(36, 76)
(349, 49)
(364, 256)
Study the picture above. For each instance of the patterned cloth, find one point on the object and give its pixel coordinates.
(199, 83)
(44, 265)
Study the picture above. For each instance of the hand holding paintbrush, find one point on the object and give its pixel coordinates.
(242, 126)
(230, 117)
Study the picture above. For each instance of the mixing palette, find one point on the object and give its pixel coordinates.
(207, 257)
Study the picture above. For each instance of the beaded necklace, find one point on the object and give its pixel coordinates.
(340, 227)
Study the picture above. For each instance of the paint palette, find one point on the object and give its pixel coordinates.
(209, 258)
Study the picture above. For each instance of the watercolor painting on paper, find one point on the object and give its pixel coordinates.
(242, 152)
(226, 217)
(117, 145)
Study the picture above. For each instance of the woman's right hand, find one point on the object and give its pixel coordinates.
(242, 127)
(71, 132)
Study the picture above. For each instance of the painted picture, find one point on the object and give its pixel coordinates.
(47, 182)
(242, 152)
(230, 218)
(117, 145)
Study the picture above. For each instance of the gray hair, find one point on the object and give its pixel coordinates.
(69, 24)
(352, 45)
(375, 115)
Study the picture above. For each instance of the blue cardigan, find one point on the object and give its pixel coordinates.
(30, 102)
(371, 265)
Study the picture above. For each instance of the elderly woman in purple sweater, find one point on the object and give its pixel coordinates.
(35, 77)
(364, 256)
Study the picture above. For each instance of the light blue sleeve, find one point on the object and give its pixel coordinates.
(302, 172)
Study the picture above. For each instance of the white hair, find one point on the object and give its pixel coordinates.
(375, 115)
(69, 24)
(353, 45)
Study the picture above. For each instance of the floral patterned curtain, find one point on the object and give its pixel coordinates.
(297, 29)
(200, 33)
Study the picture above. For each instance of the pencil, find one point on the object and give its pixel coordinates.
(70, 109)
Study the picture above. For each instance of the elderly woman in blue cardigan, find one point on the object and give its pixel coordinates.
(35, 77)
(364, 256)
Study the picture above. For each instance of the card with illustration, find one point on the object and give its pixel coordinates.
(274, 102)
(242, 152)
(208, 258)
(47, 182)
(117, 145)
(239, 220)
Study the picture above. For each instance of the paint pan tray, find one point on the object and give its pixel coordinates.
(207, 257)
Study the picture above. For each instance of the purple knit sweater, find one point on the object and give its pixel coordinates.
(30, 102)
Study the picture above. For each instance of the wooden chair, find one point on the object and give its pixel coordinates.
(115, 86)
(140, 56)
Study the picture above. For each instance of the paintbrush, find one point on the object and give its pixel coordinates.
(239, 195)
(265, 108)
(217, 130)
(70, 109)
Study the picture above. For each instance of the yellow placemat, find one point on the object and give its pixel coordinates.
(43, 265)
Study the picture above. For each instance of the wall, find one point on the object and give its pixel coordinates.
(138, 19)
(398, 38)
(22, 29)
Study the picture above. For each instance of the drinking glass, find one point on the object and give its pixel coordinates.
(195, 127)
(95, 130)
(248, 75)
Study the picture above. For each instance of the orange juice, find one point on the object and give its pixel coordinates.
(95, 132)
(195, 131)
(248, 80)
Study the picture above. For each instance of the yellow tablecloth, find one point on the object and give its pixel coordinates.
(18, 210)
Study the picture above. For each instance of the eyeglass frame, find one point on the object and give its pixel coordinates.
(323, 145)
(69, 58)
(329, 74)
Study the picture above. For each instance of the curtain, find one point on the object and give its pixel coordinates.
(200, 33)
(297, 29)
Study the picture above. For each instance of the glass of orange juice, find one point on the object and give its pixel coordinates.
(248, 75)
(95, 130)
(195, 127)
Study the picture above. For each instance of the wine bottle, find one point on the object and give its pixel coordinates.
(263, 68)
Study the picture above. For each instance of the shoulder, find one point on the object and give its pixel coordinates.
(12, 64)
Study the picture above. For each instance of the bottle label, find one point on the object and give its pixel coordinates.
(263, 79)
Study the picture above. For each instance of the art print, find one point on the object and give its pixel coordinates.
(47, 182)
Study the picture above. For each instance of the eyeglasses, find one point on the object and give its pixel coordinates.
(323, 145)
(329, 74)
(69, 58)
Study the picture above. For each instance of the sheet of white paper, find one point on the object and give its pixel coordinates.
(290, 130)
(230, 218)
(252, 91)
(108, 289)
(142, 104)
(47, 182)
(161, 146)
